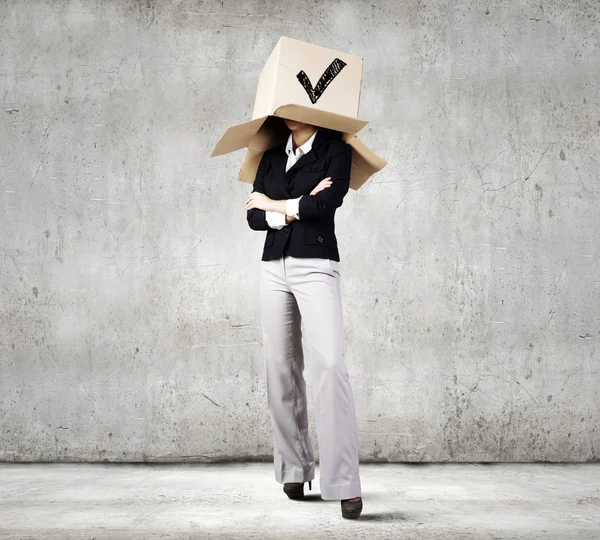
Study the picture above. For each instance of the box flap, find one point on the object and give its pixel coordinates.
(365, 162)
(237, 137)
(260, 132)
(320, 118)
(250, 165)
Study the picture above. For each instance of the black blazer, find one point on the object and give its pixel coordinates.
(313, 235)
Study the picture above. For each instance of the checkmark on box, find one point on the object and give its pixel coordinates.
(328, 75)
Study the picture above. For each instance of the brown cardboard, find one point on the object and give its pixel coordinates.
(278, 83)
(308, 83)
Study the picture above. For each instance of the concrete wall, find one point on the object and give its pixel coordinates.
(129, 321)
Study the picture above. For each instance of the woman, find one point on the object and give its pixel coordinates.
(299, 185)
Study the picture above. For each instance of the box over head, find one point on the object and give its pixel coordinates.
(310, 75)
(308, 83)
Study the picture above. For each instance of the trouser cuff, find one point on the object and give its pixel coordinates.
(295, 475)
(341, 491)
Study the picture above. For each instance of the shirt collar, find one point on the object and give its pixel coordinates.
(304, 149)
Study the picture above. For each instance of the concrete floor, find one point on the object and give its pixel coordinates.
(242, 500)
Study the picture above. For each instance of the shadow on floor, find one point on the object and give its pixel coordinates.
(365, 516)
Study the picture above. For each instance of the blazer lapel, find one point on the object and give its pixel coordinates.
(279, 162)
(304, 160)
(310, 156)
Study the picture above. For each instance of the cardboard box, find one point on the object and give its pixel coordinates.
(308, 83)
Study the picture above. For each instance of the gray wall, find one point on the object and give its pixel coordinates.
(129, 321)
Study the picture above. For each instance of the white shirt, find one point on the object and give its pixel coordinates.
(275, 220)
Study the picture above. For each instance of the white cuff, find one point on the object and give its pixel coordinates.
(291, 207)
(275, 220)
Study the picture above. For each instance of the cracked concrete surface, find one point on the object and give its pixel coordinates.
(186, 501)
(129, 320)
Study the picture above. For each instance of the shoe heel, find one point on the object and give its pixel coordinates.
(309, 485)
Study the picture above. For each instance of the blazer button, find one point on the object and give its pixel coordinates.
(314, 167)
(319, 239)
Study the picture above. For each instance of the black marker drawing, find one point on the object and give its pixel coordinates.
(328, 75)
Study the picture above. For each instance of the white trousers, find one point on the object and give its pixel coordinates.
(294, 289)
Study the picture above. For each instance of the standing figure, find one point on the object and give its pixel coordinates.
(298, 186)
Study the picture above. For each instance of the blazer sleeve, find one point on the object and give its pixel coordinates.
(324, 203)
(255, 216)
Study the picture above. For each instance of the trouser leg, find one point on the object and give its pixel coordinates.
(293, 454)
(315, 284)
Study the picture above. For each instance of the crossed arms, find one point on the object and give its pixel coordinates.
(319, 204)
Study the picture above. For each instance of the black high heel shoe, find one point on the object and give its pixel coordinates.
(295, 490)
(352, 510)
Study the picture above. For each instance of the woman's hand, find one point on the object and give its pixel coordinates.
(325, 183)
(260, 201)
